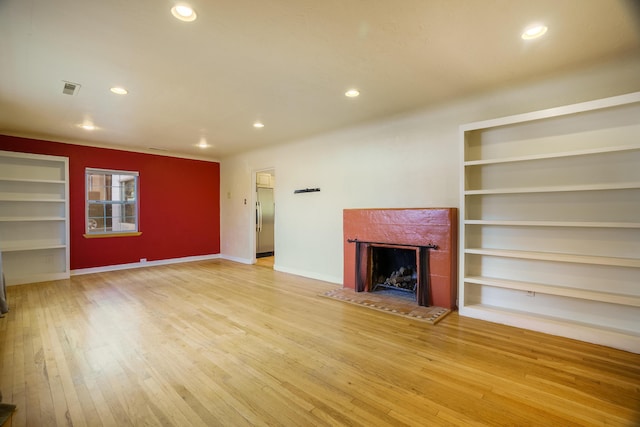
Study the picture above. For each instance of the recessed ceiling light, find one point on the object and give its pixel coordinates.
(203, 143)
(119, 90)
(534, 31)
(88, 126)
(352, 93)
(184, 12)
(258, 125)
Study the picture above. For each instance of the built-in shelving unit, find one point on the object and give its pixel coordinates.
(550, 230)
(34, 212)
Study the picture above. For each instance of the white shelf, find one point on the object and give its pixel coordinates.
(26, 199)
(558, 290)
(32, 218)
(550, 113)
(35, 278)
(572, 215)
(38, 181)
(583, 224)
(31, 248)
(556, 189)
(556, 257)
(34, 212)
(556, 321)
(544, 156)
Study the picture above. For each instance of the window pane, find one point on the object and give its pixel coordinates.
(96, 186)
(129, 213)
(96, 218)
(129, 189)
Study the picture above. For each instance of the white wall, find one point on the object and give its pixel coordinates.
(405, 161)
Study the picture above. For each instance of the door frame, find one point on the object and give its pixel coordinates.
(252, 218)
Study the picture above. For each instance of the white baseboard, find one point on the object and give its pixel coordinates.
(142, 264)
(35, 278)
(294, 271)
(309, 274)
(236, 259)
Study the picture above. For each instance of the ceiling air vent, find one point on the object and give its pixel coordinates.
(70, 88)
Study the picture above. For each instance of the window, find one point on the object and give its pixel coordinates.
(112, 204)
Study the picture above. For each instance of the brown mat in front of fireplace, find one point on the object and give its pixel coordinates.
(398, 306)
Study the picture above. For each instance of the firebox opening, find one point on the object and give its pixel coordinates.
(394, 271)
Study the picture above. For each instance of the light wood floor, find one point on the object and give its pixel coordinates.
(220, 343)
(266, 261)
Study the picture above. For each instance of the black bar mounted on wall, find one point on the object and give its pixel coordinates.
(427, 246)
(306, 190)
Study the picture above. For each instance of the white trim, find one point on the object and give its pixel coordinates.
(253, 200)
(311, 275)
(22, 155)
(36, 278)
(150, 150)
(237, 259)
(253, 240)
(143, 264)
(111, 171)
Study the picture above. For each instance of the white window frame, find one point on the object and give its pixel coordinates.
(118, 205)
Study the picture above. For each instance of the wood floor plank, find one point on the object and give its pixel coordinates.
(221, 343)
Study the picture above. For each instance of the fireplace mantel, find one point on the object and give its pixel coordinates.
(413, 227)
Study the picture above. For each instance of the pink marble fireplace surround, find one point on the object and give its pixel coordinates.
(418, 227)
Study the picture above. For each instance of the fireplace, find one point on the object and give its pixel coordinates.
(394, 269)
(420, 242)
(402, 268)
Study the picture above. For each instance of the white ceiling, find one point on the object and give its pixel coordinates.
(284, 62)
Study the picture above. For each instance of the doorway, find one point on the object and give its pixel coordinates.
(265, 215)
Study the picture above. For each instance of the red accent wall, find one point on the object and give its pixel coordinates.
(179, 203)
(419, 226)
